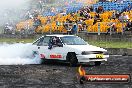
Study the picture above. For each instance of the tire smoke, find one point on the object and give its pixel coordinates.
(17, 54)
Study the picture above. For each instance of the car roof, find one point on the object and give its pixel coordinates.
(59, 35)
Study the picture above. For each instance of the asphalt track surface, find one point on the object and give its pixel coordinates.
(60, 75)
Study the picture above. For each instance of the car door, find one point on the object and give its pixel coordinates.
(36, 45)
(56, 52)
(43, 47)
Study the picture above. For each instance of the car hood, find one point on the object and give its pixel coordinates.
(86, 48)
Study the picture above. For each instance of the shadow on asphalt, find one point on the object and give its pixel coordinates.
(65, 64)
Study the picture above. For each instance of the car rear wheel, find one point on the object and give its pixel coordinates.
(97, 63)
(42, 61)
(82, 80)
(72, 59)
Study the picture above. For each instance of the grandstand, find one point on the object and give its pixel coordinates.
(108, 6)
(85, 17)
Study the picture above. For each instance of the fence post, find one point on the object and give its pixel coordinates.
(110, 30)
(98, 28)
(50, 27)
(77, 29)
(122, 28)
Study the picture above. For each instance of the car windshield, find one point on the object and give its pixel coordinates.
(73, 40)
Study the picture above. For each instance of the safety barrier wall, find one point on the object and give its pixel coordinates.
(120, 51)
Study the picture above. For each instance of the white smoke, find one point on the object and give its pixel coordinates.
(13, 10)
(12, 3)
(17, 54)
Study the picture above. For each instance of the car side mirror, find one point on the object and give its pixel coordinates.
(60, 44)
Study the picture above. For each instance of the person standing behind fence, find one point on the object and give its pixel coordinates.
(129, 26)
(124, 17)
(75, 28)
(37, 22)
(112, 28)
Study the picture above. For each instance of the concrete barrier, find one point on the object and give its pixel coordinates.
(129, 51)
(119, 51)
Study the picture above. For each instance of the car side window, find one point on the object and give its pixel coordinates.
(46, 41)
(38, 42)
(55, 41)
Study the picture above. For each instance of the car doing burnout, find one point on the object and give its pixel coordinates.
(68, 48)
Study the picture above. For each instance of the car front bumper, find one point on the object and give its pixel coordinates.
(90, 58)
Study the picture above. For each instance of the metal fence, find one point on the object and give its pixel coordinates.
(107, 27)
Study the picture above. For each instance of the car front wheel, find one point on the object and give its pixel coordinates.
(72, 59)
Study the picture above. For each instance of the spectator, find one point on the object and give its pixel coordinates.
(96, 10)
(57, 23)
(78, 13)
(28, 15)
(81, 13)
(48, 20)
(37, 22)
(117, 14)
(85, 14)
(69, 31)
(129, 26)
(35, 13)
(112, 28)
(91, 8)
(124, 17)
(97, 18)
(129, 8)
(8, 28)
(68, 26)
(74, 29)
(100, 9)
(80, 24)
(113, 15)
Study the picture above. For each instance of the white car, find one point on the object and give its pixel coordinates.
(68, 48)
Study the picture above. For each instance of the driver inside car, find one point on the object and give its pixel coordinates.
(53, 42)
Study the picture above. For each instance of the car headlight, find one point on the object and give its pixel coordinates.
(85, 53)
(94, 52)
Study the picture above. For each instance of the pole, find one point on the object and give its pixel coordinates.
(122, 28)
(98, 28)
(110, 31)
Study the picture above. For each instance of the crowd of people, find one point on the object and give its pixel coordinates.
(76, 21)
(117, 17)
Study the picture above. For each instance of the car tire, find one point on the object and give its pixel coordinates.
(82, 80)
(42, 61)
(73, 60)
(97, 63)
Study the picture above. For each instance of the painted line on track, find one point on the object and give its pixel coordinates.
(115, 55)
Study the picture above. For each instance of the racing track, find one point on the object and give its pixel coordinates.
(58, 75)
